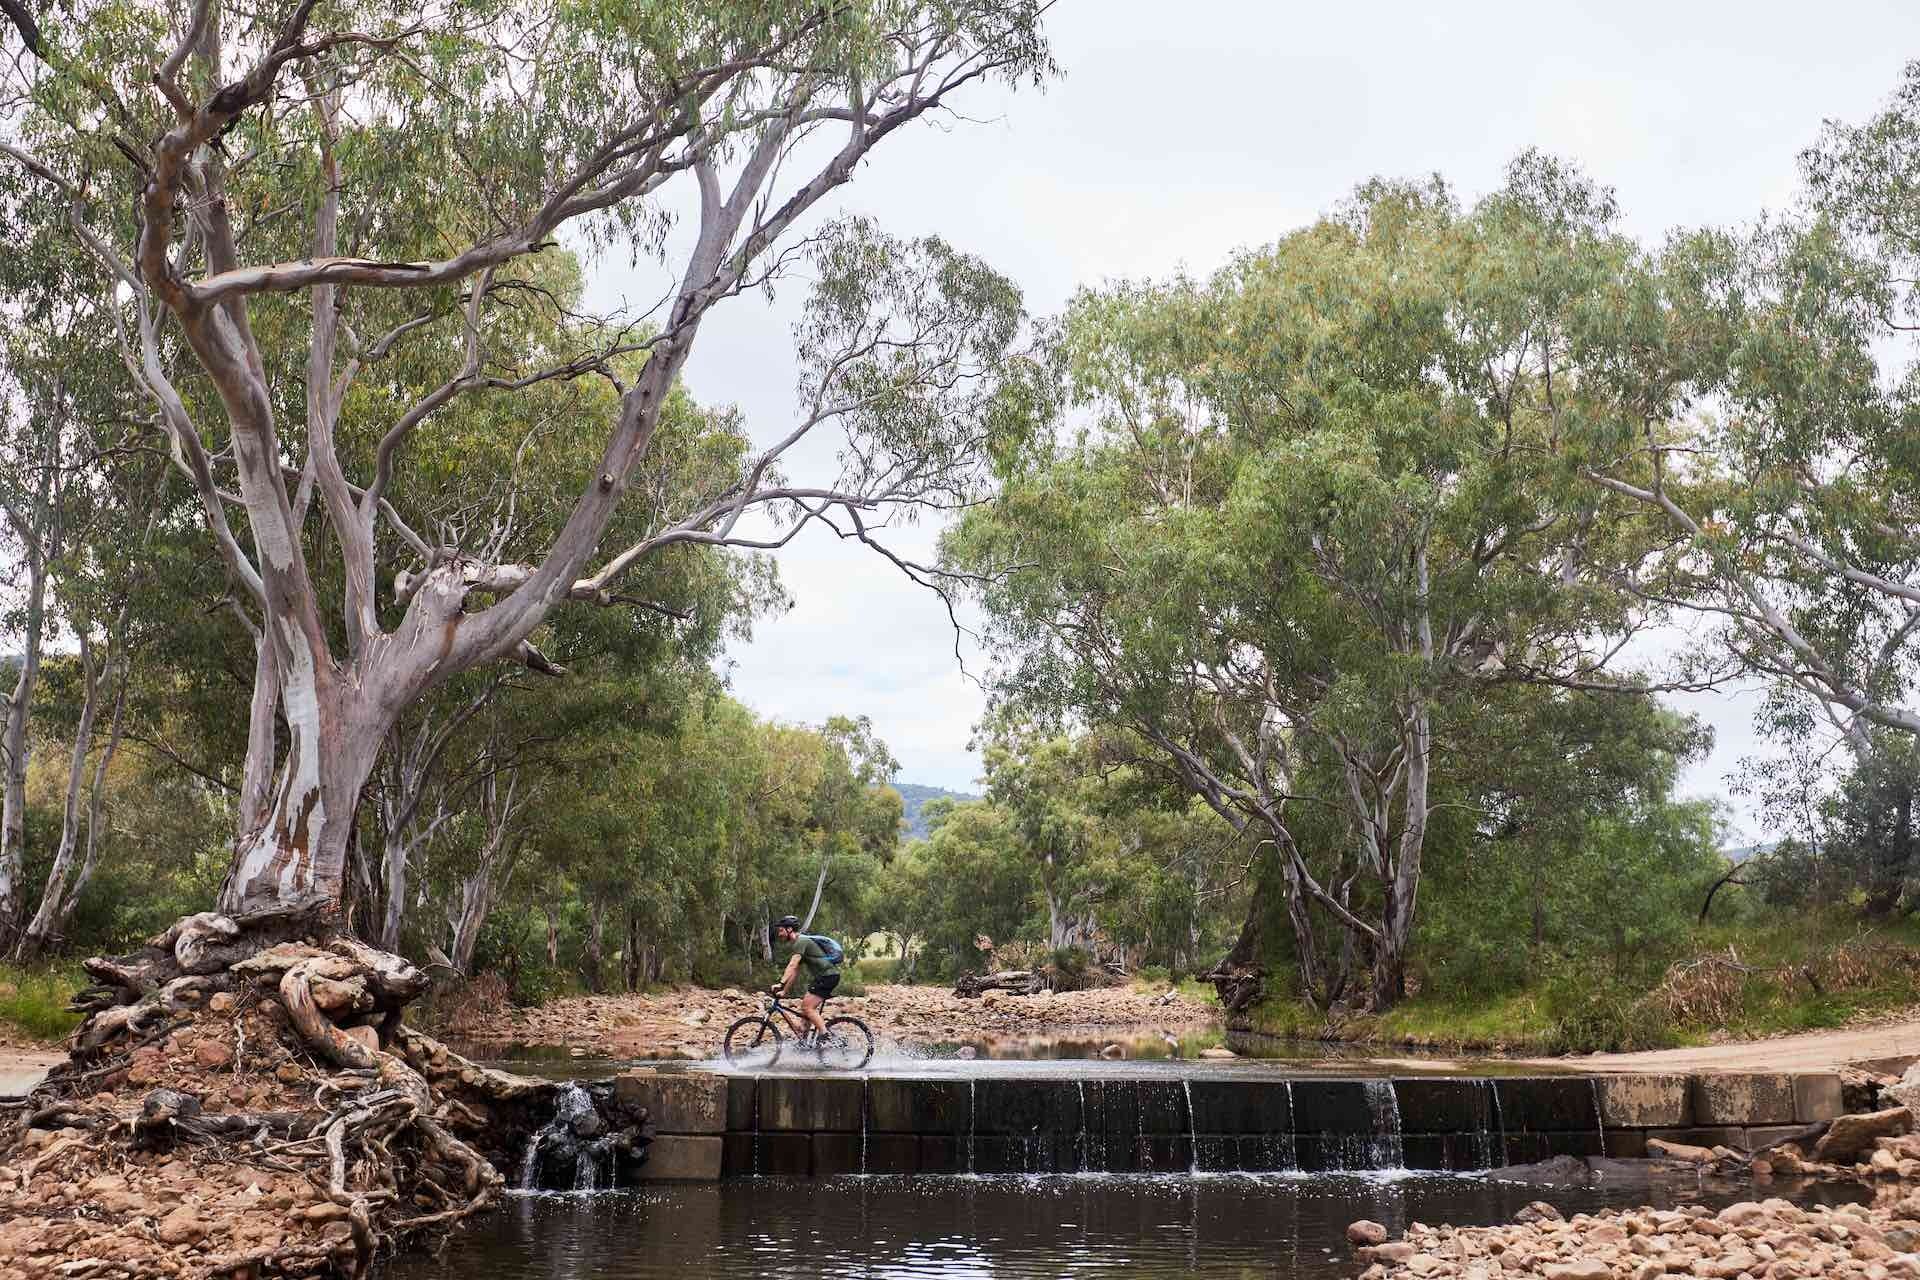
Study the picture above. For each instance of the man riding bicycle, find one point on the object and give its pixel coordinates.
(823, 975)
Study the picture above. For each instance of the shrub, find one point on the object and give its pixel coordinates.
(1593, 1011)
(34, 1001)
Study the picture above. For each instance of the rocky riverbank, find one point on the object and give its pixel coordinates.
(1764, 1239)
(689, 1023)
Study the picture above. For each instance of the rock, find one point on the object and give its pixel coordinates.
(1366, 1232)
(1661, 1149)
(368, 1036)
(1579, 1269)
(182, 1226)
(1850, 1136)
(1539, 1211)
(1743, 1214)
(221, 1002)
(1424, 1264)
(1884, 1163)
(211, 1055)
(1112, 1051)
(1218, 1051)
(698, 1018)
(1649, 1269)
(1396, 1251)
(1901, 1239)
(288, 1073)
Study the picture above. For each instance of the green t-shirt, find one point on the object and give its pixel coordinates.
(813, 957)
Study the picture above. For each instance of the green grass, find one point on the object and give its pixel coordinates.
(1581, 1006)
(33, 1002)
(874, 969)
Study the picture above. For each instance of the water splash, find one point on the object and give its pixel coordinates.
(864, 1090)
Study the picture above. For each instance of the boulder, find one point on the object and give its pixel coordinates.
(211, 1055)
(1579, 1269)
(1539, 1211)
(1365, 1232)
(1850, 1137)
(1907, 1092)
(182, 1226)
(1218, 1051)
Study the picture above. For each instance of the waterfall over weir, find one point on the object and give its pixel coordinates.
(1198, 1123)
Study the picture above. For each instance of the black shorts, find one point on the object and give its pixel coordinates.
(823, 985)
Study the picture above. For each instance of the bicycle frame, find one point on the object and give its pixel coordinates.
(795, 1019)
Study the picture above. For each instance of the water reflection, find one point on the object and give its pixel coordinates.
(1227, 1225)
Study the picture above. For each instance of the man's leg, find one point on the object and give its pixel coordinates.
(811, 1007)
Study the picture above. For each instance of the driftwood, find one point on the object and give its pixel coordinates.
(1019, 982)
(399, 1138)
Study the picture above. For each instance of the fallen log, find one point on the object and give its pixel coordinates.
(1019, 982)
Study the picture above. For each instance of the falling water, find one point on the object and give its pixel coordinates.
(1491, 1146)
(863, 1123)
(1193, 1131)
(1500, 1120)
(1385, 1151)
(1082, 1086)
(576, 1130)
(970, 1083)
(1599, 1113)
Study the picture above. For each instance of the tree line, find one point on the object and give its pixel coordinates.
(385, 581)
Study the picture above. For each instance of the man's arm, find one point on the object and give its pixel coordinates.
(793, 967)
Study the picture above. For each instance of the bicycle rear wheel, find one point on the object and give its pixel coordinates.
(752, 1042)
(847, 1046)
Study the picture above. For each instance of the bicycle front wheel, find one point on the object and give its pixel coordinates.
(752, 1042)
(847, 1045)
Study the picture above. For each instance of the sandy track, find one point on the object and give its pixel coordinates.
(1812, 1051)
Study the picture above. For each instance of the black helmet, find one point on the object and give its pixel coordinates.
(788, 922)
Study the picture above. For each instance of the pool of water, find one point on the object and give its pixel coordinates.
(1049, 1225)
(1044, 1054)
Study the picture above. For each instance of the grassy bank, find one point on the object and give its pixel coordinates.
(1743, 982)
(33, 1003)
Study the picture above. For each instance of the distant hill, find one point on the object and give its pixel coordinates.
(916, 797)
(1741, 853)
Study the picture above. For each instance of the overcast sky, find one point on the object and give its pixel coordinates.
(1179, 133)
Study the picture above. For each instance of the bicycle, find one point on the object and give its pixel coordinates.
(756, 1040)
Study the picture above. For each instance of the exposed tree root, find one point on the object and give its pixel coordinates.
(243, 1100)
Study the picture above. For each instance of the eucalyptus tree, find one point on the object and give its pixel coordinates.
(1303, 508)
(1784, 457)
(286, 197)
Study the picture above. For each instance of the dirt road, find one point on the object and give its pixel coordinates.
(1813, 1051)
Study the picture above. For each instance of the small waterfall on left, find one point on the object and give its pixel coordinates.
(575, 1150)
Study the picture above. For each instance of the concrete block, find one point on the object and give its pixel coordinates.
(743, 1099)
(681, 1157)
(943, 1153)
(676, 1103)
(784, 1155)
(1645, 1102)
(1163, 1153)
(1431, 1104)
(1627, 1144)
(920, 1106)
(835, 1153)
(1742, 1098)
(1331, 1106)
(1548, 1104)
(1017, 1108)
(892, 1153)
(1816, 1096)
(1241, 1106)
(736, 1155)
(811, 1104)
(1568, 1143)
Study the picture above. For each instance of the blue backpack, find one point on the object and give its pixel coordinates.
(834, 953)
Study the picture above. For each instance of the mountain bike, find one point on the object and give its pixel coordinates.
(757, 1040)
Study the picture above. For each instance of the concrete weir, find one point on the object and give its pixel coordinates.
(708, 1126)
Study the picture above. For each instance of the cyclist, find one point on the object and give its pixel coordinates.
(823, 975)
